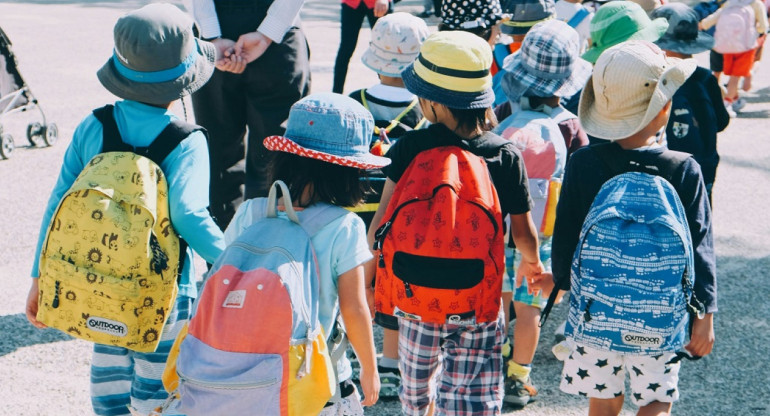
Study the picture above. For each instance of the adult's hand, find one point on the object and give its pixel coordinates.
(227, 60)
(381, 7)
(251, 46)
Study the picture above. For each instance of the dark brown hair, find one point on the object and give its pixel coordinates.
(330, 183)
(471, 119)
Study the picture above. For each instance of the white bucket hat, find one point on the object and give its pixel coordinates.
(630, 84)
(396, 41)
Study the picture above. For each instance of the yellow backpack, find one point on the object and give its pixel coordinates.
(111, 259)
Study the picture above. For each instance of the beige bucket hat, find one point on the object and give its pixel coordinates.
(630, 84)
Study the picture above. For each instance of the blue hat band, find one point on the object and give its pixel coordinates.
(154, 77)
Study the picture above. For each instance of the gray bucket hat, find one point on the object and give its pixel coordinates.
(523, 14)
(157, 59)
(682, 35)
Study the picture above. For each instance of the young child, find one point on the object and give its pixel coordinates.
(122, 377)
(739, 24)
(613, 23)
(352, 17)
(321, 158)
(547, 66)
(396, 40)
(698, 112)
(627, 101)
(453, 83)
(520, 16)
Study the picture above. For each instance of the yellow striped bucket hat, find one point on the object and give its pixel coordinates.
(452, 69)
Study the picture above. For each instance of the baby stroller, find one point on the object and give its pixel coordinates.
(15, 96)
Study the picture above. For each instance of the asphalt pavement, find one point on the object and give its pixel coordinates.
(61, 43)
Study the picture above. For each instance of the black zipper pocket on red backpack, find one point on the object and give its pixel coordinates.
(437, 273)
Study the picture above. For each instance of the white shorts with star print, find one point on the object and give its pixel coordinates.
(601, 374)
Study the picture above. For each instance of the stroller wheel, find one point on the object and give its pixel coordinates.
(35, 133)
(50, 134)
(6, 146)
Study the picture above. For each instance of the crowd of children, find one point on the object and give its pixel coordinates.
(480, 203)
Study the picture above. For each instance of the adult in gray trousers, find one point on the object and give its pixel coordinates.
(262, 70)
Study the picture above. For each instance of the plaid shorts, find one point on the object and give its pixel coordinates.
(512, 260)
(463, 362)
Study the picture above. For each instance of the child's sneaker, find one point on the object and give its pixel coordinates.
(729, 107)
(739, 104)
(390, 381)
(519, 392)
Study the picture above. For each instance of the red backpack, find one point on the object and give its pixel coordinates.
(441, 242)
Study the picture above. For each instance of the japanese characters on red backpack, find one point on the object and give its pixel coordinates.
(441, 242)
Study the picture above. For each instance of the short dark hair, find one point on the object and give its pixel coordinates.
(471, 119)
(330, 183)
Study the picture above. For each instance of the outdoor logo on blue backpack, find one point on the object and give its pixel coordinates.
(632, 272)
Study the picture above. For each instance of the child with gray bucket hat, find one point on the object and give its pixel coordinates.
(697, 111)
(547, 66)
(156, 61)
(627, 101)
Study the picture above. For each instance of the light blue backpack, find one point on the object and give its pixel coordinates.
(633, 269)
(255, 344)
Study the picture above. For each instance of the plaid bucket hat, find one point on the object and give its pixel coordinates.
(329, 127)
(521, 15)
(682, 35)
(548, 63)
(470, 14)
(631, 83)
(452, 69)
(396, 41)
(619, 21)
(157, 59)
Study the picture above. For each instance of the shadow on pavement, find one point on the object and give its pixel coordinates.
(17, 333)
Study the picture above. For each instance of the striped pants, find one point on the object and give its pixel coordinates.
(121, 377)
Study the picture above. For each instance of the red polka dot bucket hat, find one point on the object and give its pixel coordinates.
(332, 128)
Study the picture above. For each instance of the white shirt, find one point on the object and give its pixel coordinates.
(564, 12)
(281, 16)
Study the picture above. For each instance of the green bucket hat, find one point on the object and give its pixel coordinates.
(619, 21)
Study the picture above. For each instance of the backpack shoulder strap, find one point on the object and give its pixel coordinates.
(168, 139)
(111, 140)
(618, 161)
(578, 17)
(363, 99)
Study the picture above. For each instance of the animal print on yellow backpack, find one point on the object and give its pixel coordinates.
(110, 262)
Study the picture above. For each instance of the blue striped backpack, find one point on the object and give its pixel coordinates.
(633, 269)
